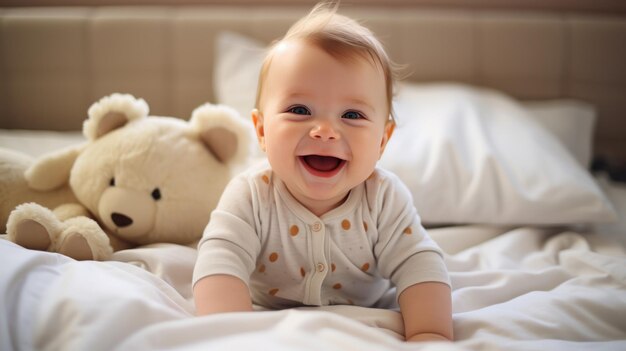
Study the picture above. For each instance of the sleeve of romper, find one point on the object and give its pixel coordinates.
(230, 244)
(406, 254)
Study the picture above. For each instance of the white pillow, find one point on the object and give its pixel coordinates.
(236, 72)
(571, 121)
(469, 155)
(472, 155)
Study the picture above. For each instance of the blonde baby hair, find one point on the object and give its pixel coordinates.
(341, 37)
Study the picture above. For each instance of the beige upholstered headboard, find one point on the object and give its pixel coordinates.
(55, 62)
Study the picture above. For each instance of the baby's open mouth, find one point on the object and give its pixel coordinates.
(322, 165)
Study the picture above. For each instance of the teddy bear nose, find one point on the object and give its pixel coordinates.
(121, 220)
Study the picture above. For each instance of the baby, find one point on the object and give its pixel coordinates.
(321, 225)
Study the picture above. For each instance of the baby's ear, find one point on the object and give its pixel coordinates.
(113, 112)
(259, 127)
(223, 132)
(390, 126)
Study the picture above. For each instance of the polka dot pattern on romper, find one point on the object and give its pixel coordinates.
(345, 224)
(273, 257)
(273, 291)
(294, 230)
(365, 267)
(337, 286)
(262, 268)
(408, 231)
(365, 225)
(265, 179)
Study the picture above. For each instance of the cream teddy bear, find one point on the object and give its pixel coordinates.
(137, 180)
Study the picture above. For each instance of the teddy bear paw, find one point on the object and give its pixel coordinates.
(75, 245)
(33, 226)
(83, 239)
(31, 235)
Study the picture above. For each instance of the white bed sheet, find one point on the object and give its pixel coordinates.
(38, 142)
(513, 289)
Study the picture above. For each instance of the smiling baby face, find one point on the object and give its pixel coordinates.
(322, 121)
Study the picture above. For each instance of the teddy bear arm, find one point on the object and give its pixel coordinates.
(53, 170)
(70, 210)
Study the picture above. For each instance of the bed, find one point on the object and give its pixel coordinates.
(524, 100)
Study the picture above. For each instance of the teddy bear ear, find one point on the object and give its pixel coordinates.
(113, 112)
(223, 131)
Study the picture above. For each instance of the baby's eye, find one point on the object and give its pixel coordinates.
(299, 110)
(352, 115)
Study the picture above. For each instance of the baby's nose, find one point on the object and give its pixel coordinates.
(324, 131)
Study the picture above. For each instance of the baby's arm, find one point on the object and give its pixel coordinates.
(427, 312)
(221, 293)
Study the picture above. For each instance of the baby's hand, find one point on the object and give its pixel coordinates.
(427, 312)
(427, 337)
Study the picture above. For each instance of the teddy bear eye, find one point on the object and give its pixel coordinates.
(112, 182)
(156, 194)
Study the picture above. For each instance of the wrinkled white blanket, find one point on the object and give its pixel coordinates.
(513, 289)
